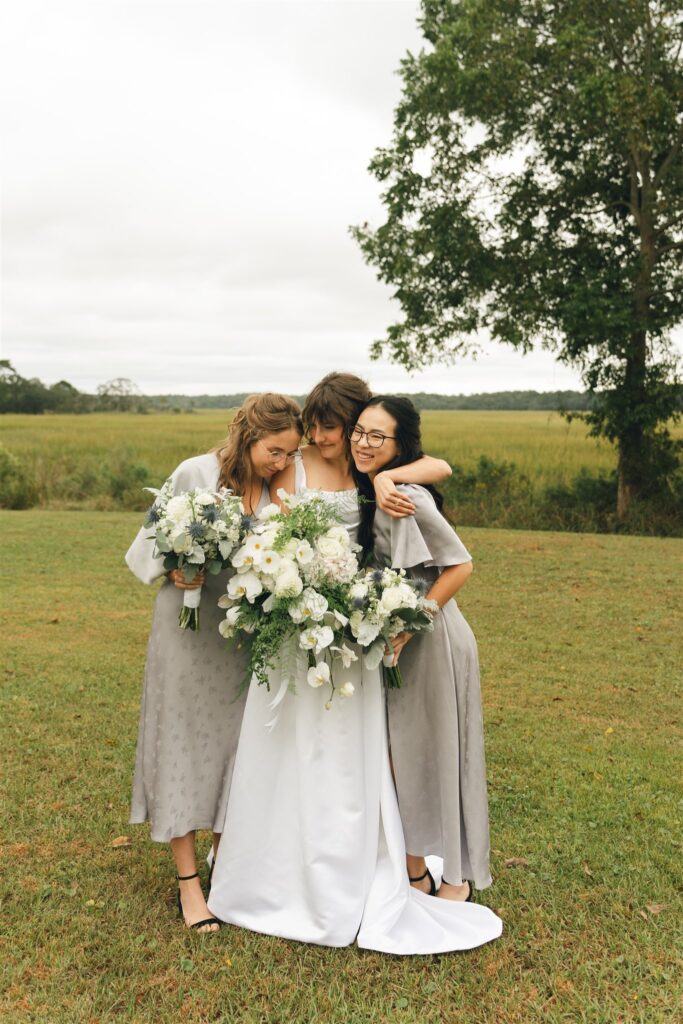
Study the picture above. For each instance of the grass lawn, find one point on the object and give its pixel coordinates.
(582, 710)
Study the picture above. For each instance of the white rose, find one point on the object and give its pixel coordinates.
(328, 547)
(391, 599)
(318, 675)
(177, 509)
(346, 690)
(359, 589)
(340, 533)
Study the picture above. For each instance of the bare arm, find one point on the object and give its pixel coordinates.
(426, 470)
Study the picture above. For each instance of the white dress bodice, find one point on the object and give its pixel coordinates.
(345, 502)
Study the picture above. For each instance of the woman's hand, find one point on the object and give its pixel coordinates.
(398, 643)
(390, 499)
(176, 577)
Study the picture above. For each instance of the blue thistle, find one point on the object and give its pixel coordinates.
(210, 513)
(196, 531)
(359, 602)
(421, 586)
(152, 516)
(377, 575)
(245, 522)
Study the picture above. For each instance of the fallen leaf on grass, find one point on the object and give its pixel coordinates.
(516, 862)
(52, 621)
(587, 871)
(656, 908)
(121, 841)
(609, 730)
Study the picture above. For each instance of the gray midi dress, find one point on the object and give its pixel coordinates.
(435, 720)
(192, 708)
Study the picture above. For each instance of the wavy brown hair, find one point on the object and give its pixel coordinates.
(338, 398)
(268, 413)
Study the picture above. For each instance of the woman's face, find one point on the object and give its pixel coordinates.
(328, 439)
(273, 452)
(371, 453)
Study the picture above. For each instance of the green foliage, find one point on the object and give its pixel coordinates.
(534, 189)
(17, 486)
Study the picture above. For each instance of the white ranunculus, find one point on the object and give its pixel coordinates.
(204, 498)
(268, 512)
(397, 597)
(346, 690)
(178, 510)
(288, 584)
(245, 584)
(318, 675)
(367, 632)
(289, 550)
(359, 589)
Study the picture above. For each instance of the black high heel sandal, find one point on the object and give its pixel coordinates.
(432, 883)
(470, 894)
(197, 924)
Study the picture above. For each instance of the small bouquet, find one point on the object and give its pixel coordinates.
(195, 532)
(290, 591)
(385, 602)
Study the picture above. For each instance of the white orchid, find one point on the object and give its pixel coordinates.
(318, 675)
(346, 655)
(245, 584)
(347, 689)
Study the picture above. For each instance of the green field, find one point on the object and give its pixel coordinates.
(63, 451)
(582, 714)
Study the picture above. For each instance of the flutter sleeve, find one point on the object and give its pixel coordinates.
(195, 472)
(425, 538)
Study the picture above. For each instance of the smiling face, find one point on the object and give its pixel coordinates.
(328, 438)
(273, 452)
(378, 423)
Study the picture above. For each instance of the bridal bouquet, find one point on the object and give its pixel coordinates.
(385, 602)
(291, 592)
(195, 532)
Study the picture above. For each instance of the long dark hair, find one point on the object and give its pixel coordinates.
(409, 444)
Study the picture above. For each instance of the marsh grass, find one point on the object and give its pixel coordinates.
(582, 711)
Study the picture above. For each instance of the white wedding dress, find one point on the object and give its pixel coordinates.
(312, 847)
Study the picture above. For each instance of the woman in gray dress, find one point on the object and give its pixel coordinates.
(191, 706)
(435, 719)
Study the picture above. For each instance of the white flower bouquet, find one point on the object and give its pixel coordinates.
(292, 580)
(195, 532)
(386, 602)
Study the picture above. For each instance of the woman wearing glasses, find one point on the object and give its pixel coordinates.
(191, 715)
(435, 719)
(313, 845)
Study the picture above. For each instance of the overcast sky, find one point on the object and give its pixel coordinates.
(178, 182)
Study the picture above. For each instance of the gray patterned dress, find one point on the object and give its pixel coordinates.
(435, 720)
(191, 711)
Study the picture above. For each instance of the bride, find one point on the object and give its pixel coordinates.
(313, 844)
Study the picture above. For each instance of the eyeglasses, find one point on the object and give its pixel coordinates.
(276, 454)
(375, 438)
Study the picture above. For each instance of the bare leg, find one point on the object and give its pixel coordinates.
(191, 895)
(417, 866)
(459, 893)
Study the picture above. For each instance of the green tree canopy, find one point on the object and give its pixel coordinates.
(534, 190)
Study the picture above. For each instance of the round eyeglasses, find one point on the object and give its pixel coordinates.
(276, 454)
(375, 438)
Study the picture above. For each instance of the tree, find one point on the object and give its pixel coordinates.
(121, 395)
(534, 190)
(19, 394)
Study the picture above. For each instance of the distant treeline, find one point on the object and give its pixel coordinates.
(30, 395)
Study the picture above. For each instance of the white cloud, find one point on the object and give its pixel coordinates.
(179, 181)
